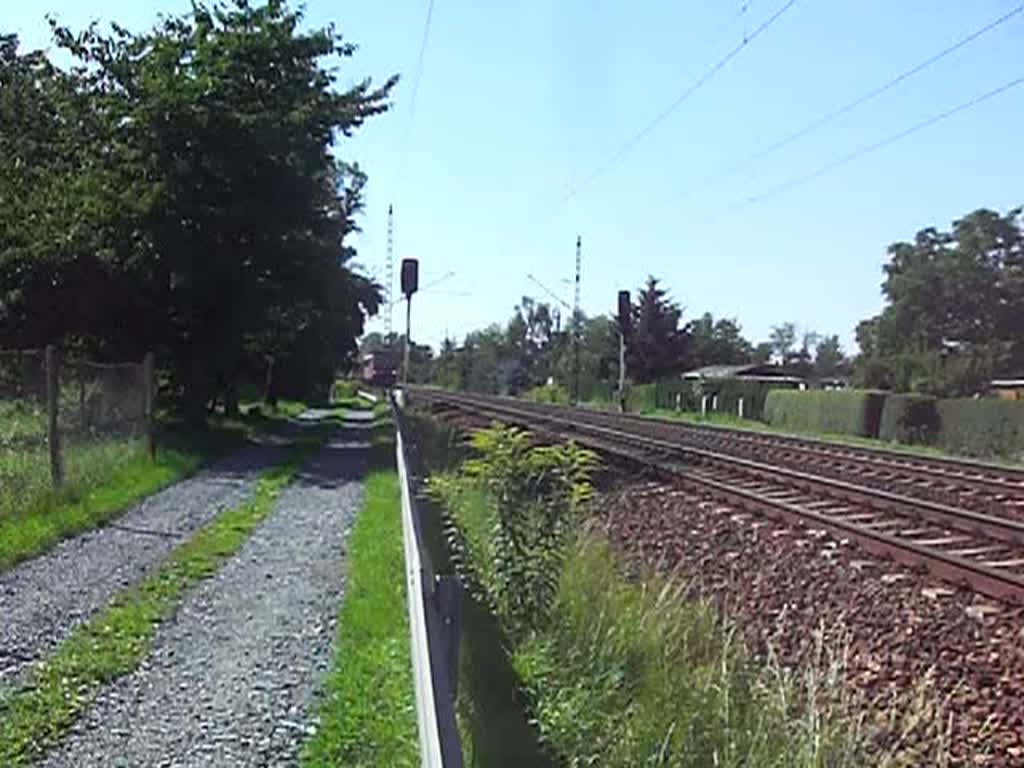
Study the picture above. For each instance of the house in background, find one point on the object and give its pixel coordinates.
(1009, 388)
(763, 373)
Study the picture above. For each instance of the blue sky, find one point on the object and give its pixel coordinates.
(519, 102)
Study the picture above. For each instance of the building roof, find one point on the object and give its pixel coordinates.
(759, 371)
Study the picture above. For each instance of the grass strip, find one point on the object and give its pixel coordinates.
(115, 641)
(104, 478)
(367, 713)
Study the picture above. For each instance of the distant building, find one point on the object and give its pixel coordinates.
(760, 372)
(378, 369)
(1009, 388)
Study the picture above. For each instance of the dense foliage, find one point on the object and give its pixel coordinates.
(909, 418)
(849, 412)
(982, 427)
(178, 190)
(618, 671)
(954, 311)
(513, 509)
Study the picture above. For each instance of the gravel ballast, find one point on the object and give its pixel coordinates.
(43, 599)
(231, 676)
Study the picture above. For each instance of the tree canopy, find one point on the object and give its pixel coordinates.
(954, 313)
(180, 189)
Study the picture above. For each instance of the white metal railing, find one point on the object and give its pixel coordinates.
(433, 631)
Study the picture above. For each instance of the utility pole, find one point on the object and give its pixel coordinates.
(576, 325)
(625, 322)
(389, 290)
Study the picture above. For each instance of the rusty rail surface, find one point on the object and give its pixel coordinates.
(980, 550)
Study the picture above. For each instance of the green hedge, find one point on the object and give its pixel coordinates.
(909, 419)
(678, 394)
(986, 427)
(729, 392)
(643, 397)
(848, 412)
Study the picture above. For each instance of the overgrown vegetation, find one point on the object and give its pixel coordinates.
(366, 711)
(115, 641)
(525, 502)
(618, 673)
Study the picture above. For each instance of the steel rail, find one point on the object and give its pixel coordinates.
(984, 578)
(989, 478)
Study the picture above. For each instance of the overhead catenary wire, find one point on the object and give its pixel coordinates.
(834, 114)
(414, 96)
(419, 66)
(701, 81)
(867, 149)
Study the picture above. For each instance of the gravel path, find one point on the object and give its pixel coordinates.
(231, 676)
(43, 599)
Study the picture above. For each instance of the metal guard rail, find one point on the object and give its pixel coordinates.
(433, 626)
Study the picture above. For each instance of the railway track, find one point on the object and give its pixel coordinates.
(981, 550)
(976, 485)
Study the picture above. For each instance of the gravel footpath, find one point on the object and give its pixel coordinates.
(43, 599)
(231, 676)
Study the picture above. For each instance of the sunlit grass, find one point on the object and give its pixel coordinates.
(367, 715)
(102, 475)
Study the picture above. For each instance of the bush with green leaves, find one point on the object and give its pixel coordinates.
(547, 393)
(511, 511)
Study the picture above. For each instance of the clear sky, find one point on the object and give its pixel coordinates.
(521, 102)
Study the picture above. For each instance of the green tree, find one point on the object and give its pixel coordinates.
(657, 345)
(206, 205)
(718, 342)
(783, 340)
(954, 311)
(828, 358)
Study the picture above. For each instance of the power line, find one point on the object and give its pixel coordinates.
(828, 117)
(419, 71)
(634, 140)
(875, 146)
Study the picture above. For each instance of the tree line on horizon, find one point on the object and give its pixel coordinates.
(953, 320)
(184, 190)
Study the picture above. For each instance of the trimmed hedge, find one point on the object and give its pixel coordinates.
(848, 412)
(985, 427)
(643, 397)
(910, 419)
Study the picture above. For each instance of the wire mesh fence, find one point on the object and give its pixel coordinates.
(66, 421)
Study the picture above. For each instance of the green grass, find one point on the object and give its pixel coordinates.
(367, 713)
(102, 478)
(115, 641)
(630, 673)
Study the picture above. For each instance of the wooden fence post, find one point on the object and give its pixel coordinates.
(148, 374)
(52, 405)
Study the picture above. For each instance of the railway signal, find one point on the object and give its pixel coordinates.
(410, 283)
